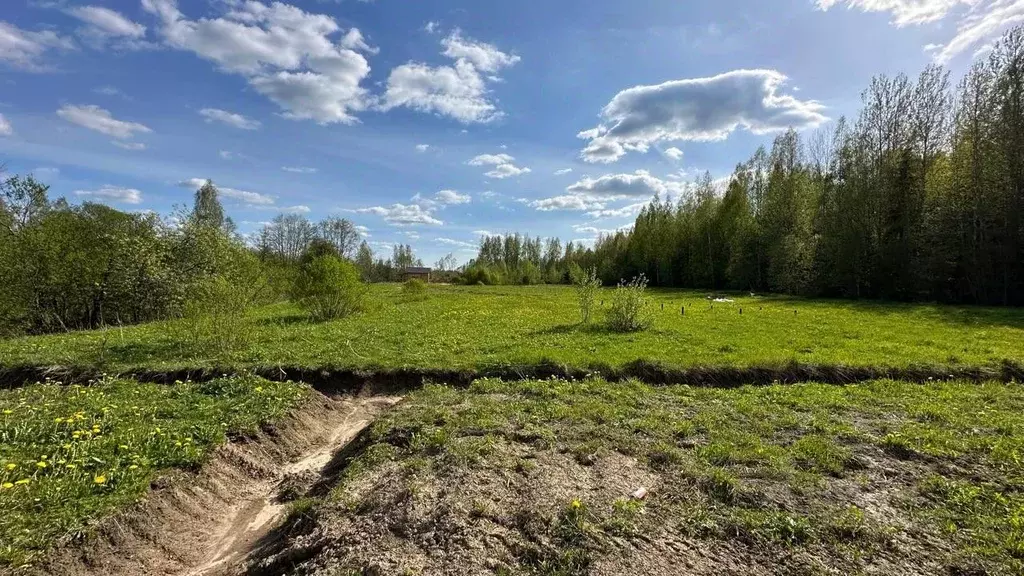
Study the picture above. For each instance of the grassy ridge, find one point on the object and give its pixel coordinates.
(71, 454)
(934, 471)
(454, 327)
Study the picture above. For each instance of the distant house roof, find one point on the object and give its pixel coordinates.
(416, 270)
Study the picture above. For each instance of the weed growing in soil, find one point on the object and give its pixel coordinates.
(71, 454)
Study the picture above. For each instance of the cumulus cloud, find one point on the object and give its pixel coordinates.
(623, 212)
(592, 195)
(452, 197)
(422, 147)
(563, 171)
(135, 146)
(611, 186)
(285, 53)
(100, 120)
(502, 165)
(674, 153)
(459, 91)
(698, 109)
(402, 214)
(24, 49)
(252, 199)
(576, 202)
(229, 118)
(112, 194)
(5, 127)
(299, 169)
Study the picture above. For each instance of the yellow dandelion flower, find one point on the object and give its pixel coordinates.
(7, 485)
(7, 411)
(178, 444)
(71, 466)
(58, 420)
(101, 479)
(123, 446)
(22, 481)
(12, 466)
(132, 467)
(41, 464)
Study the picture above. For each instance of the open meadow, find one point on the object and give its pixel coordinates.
(482, 327)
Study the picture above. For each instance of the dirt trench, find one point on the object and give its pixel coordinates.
(210, 523)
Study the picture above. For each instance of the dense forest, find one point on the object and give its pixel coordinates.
(920, 197)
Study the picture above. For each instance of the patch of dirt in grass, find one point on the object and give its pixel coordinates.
(208, 522)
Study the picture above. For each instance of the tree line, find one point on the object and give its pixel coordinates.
(920, 197)
(68, 267)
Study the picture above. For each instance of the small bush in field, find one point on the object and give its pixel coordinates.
(414, 287)
(214, 318)
(630, 311)
(587, 284)
(329, 288)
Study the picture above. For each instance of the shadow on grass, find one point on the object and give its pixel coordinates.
(284, 320)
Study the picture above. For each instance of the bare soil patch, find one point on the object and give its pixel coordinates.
(207, 523)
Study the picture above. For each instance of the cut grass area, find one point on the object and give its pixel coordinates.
(73, 454)
(479, 327)
(809, 478)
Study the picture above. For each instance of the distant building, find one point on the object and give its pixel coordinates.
(417, 272)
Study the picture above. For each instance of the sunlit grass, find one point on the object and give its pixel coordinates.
(71, 454)
(478, 326)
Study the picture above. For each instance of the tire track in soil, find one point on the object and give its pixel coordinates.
(250, 520)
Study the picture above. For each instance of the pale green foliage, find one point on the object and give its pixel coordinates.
(587, 284)
(329, 288)
(630, 310)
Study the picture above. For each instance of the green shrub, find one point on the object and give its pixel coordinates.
(587, 284)
(414, 287)
(629, 311)
(329, 288)
(213, 320)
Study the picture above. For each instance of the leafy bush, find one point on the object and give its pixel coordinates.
(587, 283)
(214, 318)
(414, 289)
(630, 311)
(476, 275)
(329, 288)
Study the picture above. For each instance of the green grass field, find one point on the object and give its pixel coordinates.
(478, 327)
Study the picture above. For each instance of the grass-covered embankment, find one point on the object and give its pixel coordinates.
(71, 454)
(537, 476)
(479, 327)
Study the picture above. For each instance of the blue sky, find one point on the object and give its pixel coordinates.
(428, 122)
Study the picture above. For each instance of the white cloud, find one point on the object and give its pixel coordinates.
(698, 109)
(104, 25)
(453, 242)
(610, 186)
(904, 12)
(402, 214)
(452, 197)
(25, 49)
(285, 53)
(111, 91)
(576, 202)
(591, 229)
(503, 166)
(363, 230)
(252, 199)
(458, 91)
(5, 127)
(422, 147)
(136, 146)
(484, 233)
(674, 153)
(229, 118)
(484, 57)
(978, 22)
(112, 194)
(431, 27)
(300, 209)
(299, 169)
(623, 212)
(563, 171)
(98, 119)
(353, 40)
